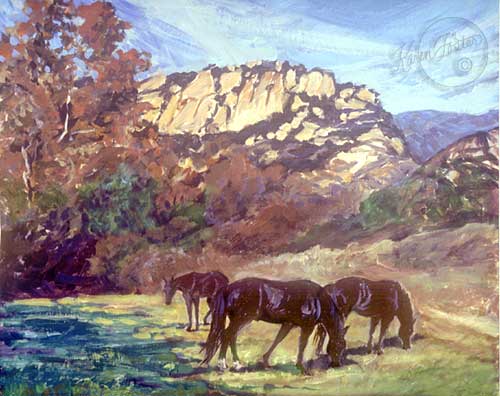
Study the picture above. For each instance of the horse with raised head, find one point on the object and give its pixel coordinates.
(291, 304)
(194, 286)
(379, 300)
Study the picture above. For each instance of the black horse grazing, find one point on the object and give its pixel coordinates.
(194, 286)
(291, 304)
(379, 300)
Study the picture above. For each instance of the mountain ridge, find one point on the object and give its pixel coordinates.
(428, 131)
(335, 140)
(457, 185)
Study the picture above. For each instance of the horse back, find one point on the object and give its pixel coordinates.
(201, 284)
(275, 301)
(208, 284)
(366, 297)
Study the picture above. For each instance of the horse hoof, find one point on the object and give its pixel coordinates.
(265, 365)
(306, 372)
(303, 370)
(237, 366)
(221, 365)
(380, 352)
(189, 329)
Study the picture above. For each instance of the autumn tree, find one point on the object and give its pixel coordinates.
(65, 75)
(68, 107)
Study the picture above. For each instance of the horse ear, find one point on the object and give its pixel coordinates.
(346, 328)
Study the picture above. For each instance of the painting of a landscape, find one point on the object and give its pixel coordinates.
(238, 197)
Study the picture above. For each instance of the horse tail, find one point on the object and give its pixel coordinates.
(319, 338)
(217, 326)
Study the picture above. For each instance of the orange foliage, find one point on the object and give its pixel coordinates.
(67, 77)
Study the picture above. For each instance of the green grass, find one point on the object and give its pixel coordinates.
(135, 345)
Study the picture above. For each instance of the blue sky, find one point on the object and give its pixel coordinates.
(376, 43)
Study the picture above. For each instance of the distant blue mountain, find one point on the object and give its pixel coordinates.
(429, 131)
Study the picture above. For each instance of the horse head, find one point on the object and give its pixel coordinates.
(337, 346)
(169, 288)
(406, 331)
(333, 322)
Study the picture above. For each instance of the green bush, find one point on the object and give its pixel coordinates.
(122, 202)
(195, 212)
(13, 198)
(380, 207)
(50, 198)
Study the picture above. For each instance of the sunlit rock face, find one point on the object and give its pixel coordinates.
(232, 98)
(335, 140)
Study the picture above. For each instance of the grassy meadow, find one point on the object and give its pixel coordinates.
(135, 345)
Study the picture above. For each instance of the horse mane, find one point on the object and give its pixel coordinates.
(405, 305)
(223, 275)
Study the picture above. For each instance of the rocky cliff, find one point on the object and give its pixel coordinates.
(335, 140)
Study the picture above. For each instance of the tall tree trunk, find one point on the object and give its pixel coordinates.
(27, 173)
(66, 120)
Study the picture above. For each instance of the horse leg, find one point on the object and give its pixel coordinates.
(305, 332)
(196, 301)
(234, 334)
(373, 324)
(236, 360)
(283, 332)
(384, 325)
(229, 338)
(321, 334)
(189, 308)
(209, 302)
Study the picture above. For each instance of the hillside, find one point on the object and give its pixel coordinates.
(457, 185)
(238, 159)
(228, 164)
(429, 131)
(334, 141)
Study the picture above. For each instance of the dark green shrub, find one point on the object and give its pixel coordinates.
(380, 207)
(122, 202)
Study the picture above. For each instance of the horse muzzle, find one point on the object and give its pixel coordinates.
(336, 364)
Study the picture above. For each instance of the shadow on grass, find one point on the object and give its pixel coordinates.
(183, 326)
(252, 368)
(320, 363)
(392, 342)
(323, 361)
(282, 367)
